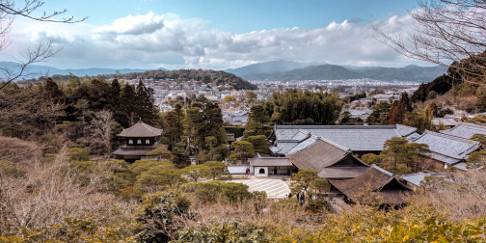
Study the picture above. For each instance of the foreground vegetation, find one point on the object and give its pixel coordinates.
(64, 198)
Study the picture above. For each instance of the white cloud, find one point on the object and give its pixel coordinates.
(133, 25)
(152, 40)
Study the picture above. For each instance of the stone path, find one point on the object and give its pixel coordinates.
(275, 188)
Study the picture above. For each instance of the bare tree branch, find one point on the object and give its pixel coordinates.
(42, 51)
(446, 32)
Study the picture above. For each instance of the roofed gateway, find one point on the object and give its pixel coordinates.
(140, 139)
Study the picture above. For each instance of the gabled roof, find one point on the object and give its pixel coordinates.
(311, 140)
(447, 148)
(317, 155)
(131, 152)
(344, 172)
(140, 129)
(269, 161)
(325, 157)
(444, 121)
(376, 186)
(466, 130)
(417, 178)
(404, 130)
(354, 137)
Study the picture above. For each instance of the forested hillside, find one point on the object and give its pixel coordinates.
(336, 72)
(462, 86)
(206, 76)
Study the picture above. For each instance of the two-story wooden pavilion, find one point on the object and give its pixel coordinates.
(140, 139)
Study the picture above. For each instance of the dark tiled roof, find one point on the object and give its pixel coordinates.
(342, 172)
(375, 186)
(140, 129)
(131, 152)
(325, 157)
(354, 137)
(447, 146)
(466, 130)
(269, 161)
(317, 155)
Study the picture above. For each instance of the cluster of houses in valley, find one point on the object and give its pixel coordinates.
(334, 151)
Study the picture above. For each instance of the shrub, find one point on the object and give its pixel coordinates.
(233, 232)
(78, 154)
(217, 169)
(213, 190)
(161, 216)
(8, 168)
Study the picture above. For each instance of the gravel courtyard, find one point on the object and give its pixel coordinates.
(275, 188)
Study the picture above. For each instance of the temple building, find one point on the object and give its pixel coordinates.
(360, 139)
(376, 187)
(140, 139)
(447, 151)
(330, 160)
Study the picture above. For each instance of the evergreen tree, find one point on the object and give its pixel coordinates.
(128, 106)
(52, 91)
(98, 94)
(242, 151)
(174, 125)
(398, 110)
(260, 144)
(379, 113)
(145, 103)
(304, 107)
(257, 121)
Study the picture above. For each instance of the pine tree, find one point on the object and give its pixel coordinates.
(127, 106)
(145, 102)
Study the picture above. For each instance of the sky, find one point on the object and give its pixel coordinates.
(215, 34)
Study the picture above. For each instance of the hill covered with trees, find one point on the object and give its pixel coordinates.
(211, 77)
(336, 72)
(462, 86)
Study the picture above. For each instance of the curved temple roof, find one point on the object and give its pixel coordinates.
(140, 129)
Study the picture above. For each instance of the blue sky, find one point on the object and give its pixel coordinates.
(217, 34)
(241, 16)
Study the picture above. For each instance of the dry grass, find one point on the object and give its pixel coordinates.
(461, 198)
(48, 193)
(16, 150)
(267, 213)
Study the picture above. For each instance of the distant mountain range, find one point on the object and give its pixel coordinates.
(41, 70)
(286, 71)
(275, 70)
(269, 67)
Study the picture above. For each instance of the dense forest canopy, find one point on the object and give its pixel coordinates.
(303, 107)
(211, 77)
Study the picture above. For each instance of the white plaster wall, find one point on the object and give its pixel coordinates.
(257, 171)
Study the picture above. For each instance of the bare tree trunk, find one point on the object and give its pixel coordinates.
(101, 128)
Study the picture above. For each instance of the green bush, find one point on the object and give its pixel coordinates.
(233, 232)
(81, 171)
(213, 190)
(78, 154)
(8, 168)
(161, 216)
